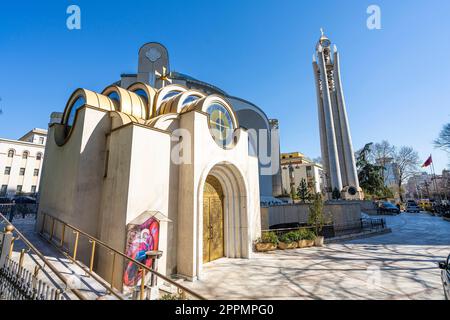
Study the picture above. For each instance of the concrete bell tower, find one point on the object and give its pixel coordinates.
(335, 139)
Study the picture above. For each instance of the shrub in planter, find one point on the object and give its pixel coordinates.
(286, 241)
(306, 238)
(267, 242)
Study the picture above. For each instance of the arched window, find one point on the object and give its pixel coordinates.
(170, 94)
(39, 156)
(190, 99)
(25, 155)
(80, 101)
(10, 153)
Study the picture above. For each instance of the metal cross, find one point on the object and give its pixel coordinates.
(163, 77)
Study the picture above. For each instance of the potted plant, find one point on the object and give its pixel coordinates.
(287, 241)
(302, 238)
(267, 242)
(309, 238)
(316, 218)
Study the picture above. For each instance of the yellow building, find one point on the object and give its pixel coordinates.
(296, 166)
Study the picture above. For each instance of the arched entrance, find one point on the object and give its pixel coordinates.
(213, 220)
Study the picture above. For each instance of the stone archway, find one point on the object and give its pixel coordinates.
(236, 233)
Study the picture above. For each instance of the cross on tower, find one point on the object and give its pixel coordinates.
(163, 77)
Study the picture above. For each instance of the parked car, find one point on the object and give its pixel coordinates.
(387, 207)
(412, 207)
(445, 276)
(5, 200)
(24, 200)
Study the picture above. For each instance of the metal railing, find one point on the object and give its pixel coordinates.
(330, 231)
(18, 283)
(10, 210)
(20, 277)
(71, 253)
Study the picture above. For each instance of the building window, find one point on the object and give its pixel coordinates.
(25, 155)
(41, 140)
(10, 153)
(39, 156)
(33, 189)
(22, 172)
(3, 190)
(19, 189)
(36, 172)
(7, 171)
(80, 101)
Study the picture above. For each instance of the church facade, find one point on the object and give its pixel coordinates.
(154, 166)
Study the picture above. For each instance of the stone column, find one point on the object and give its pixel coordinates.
(350, 163)
(322, 130)
(334, 169)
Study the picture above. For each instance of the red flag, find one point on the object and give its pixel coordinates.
(428, 162)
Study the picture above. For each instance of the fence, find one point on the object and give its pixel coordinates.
(11, 210)
(19, 283)
(331, 231)
(49, 227)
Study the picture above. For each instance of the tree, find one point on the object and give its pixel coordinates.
(303, 191)
(443, 142)
(407, 160)
(369, 174)
(383, 153)
(316, 217)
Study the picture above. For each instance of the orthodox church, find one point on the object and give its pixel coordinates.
(159, 161)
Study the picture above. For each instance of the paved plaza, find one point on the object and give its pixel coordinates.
(399, 265)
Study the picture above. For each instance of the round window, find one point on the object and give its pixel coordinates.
(220, 124)
(352, 191)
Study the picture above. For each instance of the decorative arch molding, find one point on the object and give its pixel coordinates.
(150, 94)
(91, 98)
(202, 105)
(161, 100)
(129, 102)
(163, 122)
(175, 104)
(236, 217)
(119, 119)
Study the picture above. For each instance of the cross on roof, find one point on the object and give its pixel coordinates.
(163, 77)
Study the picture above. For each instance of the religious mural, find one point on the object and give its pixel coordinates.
(140, 239)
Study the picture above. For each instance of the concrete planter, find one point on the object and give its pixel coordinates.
(302, 244)
(264, 247)
(287, 246)
(309, 243)
(319, 241)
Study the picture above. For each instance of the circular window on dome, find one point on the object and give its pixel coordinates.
(220, 124)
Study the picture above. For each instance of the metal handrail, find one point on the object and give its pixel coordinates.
(144, 269)
(42, 257)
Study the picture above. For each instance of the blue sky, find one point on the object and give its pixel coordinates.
(396, 79)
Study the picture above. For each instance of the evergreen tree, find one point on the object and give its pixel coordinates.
(303, 191)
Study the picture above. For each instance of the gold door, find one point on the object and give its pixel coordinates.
(213, 241)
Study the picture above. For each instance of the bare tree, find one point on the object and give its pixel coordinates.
(407, 160)
(383, 153)
(443, 142)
